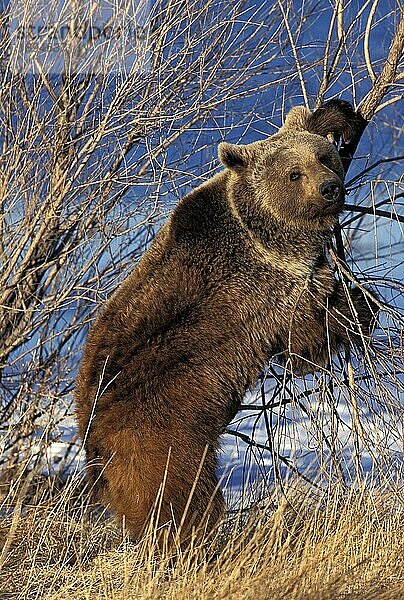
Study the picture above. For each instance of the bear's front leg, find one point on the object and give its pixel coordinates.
(351, 316)
(318, 329)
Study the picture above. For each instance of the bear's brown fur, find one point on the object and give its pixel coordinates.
(238, 274)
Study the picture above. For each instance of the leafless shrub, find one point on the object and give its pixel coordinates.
(90, 160)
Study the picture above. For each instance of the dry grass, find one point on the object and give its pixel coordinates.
(335, 544)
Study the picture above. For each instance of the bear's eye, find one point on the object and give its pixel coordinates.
(295, 175)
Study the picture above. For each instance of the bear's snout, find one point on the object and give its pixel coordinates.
(331, 190)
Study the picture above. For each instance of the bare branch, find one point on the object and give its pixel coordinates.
(366, 40)
(373, 99)
(368, 210)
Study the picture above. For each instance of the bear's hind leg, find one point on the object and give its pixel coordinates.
(159, 492)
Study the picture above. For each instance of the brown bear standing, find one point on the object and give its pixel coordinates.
(237, 275)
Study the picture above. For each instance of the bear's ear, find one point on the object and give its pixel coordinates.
(297, 119)
(233, 156)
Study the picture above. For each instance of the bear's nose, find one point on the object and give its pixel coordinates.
(331, 190)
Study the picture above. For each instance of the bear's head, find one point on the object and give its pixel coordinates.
(295, 176)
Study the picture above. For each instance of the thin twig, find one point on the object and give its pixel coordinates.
(373, 166)
(369, 210)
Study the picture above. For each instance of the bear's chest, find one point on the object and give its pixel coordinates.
(289, 283)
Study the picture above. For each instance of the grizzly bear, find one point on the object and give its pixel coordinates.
(237, 275)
